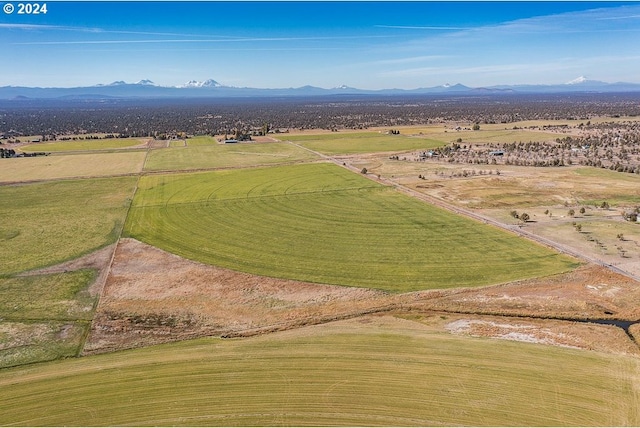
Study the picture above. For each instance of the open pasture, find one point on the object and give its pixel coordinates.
(56, 296)
(509, 186)
(44, 317)
(365, 372)
(321, 223)
(84, 145)
(547, 195)
(488, 133)
(205, 152)
(201, 140)
(27, 342)
(70, 166)
(485, 136)
(47, 223)
(540, 126)
(614, 187)
(603, 235)
(360, 142)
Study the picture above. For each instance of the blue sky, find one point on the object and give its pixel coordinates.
(363, 44)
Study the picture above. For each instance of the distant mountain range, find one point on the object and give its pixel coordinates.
(211, 88)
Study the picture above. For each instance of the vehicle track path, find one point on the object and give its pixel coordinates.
(516, 229)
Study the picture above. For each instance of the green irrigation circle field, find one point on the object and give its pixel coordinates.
(395, 374)
(322, 223)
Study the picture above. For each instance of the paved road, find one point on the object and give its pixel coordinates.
(473, 215)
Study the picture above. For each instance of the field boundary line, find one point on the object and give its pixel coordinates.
(516, 230)
(103, 279)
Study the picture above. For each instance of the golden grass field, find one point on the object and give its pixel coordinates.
(368, 371)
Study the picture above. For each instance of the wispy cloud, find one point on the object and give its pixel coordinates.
(30, 27)
(426, 27)
(609, 18)
(95, 30)
(589, 21)
(206, 40)
(411, 60)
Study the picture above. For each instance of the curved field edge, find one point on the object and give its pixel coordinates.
(48, 223)
(321, 223)
(372, 371)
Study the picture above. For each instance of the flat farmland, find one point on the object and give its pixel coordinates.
(524, 131)
(602, 234)
(361, 142)
(552, 197)
(71, 166)
(85, 145)
(508, 186)
(495, 135)
(201, 140)
(44, 317)
(207, 153)
(319, 296)
(47, 223)
(366, 372)
(321, 223)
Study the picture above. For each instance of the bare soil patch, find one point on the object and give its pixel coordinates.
(594, 337)
(589, 292)
(98, 260)
(152, 297)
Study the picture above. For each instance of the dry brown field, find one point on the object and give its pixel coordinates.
(152, 297)
(71, 166)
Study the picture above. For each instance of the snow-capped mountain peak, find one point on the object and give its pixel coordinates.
(577, 81)
(209, 83)
(144, 82)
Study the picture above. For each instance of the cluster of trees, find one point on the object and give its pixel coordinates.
(631, 215)
(7, 153)
(603, 146)
(464, 173)
(144, 118)
(524, 217)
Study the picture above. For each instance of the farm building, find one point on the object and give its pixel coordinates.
(429, 154)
